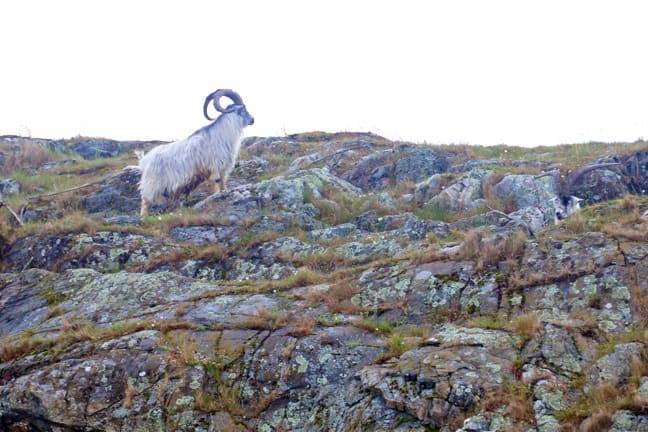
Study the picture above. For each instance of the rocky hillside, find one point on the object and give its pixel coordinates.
(344, 282)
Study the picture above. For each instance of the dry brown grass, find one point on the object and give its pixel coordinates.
(339, 298)
(402, 188)
(515, 244)
(488, 252)
(11, 348)
(517, 281)
(633, 232)
(516, 397)
(75, 222)
(226, 399)
(73, 332)
(264, 319)
(488, 190)
(577, 223)
(206, 402)
(312, 295)
(629, 203)
(472, 243)
(185, 348)
(210, 253)
(130, 392)
(264, 402)
(638, 369)
(526, 325)
(55, 310)
(181, 310)
(27, 154)
(305, 277)
(593, 412)
(604, 393)
(426, 255)
(326, 262)
(638, 298)
(339, 207)
(598, 421)
(303, 326)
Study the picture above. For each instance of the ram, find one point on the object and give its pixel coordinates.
(172, 170)
(566, 203)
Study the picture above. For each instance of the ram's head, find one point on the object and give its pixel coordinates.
(237, 105)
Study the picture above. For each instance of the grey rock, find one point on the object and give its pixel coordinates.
(434, 383)
(209, 325)
(381, 170)
(614, 368)
(50, 166)
(327, 234)
(600, 185)
(429, 187)
(525, 190)
(119, 194)
(103, 251)
(273, 145)
(465, 194)
(627, 421)
(470, 165)
(303, 162)
(123, 220)
(9, 187)
(551, 257)
(556, 350)
(371, 221)
(204, 234)
(490, 218)
(418, 229)
(93, 148)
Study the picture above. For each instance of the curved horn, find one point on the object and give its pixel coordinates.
(573, 176)
(215, 96)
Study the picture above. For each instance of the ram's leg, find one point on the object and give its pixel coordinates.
(214, 180)
(223, 181)
(145, 208)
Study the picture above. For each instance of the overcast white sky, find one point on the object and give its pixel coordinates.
(479, 72)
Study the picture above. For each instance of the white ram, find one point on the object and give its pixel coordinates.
(566, 203)
(175, 169)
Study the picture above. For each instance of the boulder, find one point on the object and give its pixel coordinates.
(525, 190)
(119, 194)
(600, 185)
(9, 187)
(384, 169)
(465, 194)
(614, 368)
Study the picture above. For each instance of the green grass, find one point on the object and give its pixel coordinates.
(567, 154)
(377, 326)
(434, 212)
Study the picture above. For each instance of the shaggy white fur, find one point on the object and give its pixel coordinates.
(176, 168)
